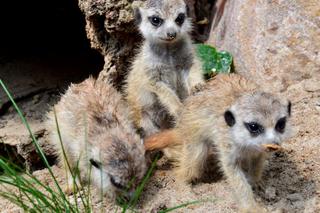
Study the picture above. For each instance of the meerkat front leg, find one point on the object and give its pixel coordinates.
(196, 80)
(167, 97)
(256, 170)
(191, 161)
(136, 116)
(239, 183)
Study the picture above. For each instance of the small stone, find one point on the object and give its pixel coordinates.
(295, 197)
(271, 193)
(311, 85)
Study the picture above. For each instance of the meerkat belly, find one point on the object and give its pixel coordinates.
(177, 80)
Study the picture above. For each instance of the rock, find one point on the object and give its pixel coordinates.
(111, 30)
(311, 85)
(19, 148)
(272, 41)
(295, 197)
(271, 193)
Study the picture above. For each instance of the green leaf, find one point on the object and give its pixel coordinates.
(213, 62)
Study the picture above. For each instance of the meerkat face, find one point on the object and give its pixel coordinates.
(164, 21)
(259, 118)
(118, 168)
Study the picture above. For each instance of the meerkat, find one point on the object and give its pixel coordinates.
(236, 119)
(98, 139)
(166, 68)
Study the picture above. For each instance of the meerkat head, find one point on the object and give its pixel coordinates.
(163, 21)
(118, 165)
(259, 118)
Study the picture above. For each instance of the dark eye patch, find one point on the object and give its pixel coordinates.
(116, 184)
(281, 125)
(180, 19)
(96, 164)
(254, 128)
(155, 21)
(229, 118)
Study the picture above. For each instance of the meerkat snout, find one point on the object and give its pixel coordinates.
(118, 168)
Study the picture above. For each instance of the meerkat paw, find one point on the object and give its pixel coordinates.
(259, 185)
(197, 88)
(72, 186)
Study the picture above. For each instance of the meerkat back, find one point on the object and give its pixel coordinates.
(166, 69)
(79, 112)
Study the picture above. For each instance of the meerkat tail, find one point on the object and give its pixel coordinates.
(162, 140)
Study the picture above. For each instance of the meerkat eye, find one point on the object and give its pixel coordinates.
(116, 184)
(155, 21)
(180, 19)
(254, 128)
(96, 164)
(281, 125)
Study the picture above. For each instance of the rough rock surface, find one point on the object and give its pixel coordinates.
(111, 29)
(273, 41)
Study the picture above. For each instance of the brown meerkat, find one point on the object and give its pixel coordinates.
(166, 69)
(232, 116)
(98, 137)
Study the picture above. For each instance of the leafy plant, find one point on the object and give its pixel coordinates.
(213, 62)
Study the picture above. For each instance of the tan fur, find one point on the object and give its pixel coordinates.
(92, 119)
(163, 73)
(202, 125)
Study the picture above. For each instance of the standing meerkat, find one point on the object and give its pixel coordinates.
(97, 137)
(165, 69)
(233, 117)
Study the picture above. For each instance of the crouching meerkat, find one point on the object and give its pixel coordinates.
(97, 136)
(239, 121)
(165, 69)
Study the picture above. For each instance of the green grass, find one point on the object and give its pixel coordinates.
(32, 195)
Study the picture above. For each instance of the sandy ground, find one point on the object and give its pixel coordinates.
(292, 177)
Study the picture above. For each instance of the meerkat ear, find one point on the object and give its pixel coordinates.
(229, 118)
(289, 108)
(137, 15)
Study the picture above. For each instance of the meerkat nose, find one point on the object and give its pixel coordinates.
(172, 35)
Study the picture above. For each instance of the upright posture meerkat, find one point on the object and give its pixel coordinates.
(95, 132)
(236, 119)
(166, 69)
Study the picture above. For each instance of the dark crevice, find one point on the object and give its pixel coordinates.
(48, 31)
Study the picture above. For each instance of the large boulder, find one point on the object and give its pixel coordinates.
(272, 41)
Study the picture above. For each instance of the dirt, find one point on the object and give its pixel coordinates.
(292, 178)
